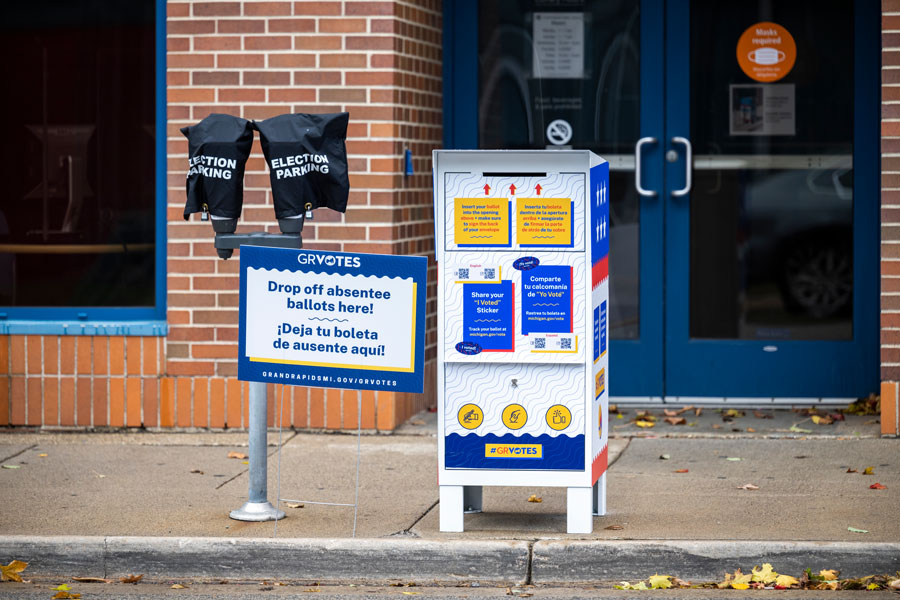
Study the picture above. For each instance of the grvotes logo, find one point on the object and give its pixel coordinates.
(329, 260)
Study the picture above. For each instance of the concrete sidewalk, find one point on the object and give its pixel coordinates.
(113, 504)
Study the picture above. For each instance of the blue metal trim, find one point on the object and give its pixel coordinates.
(141, 320)
(866, 195)
(161, 162)
(461, 74)
(741, 368)
(637, 365)
(142, 328)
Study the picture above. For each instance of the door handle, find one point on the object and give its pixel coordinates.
(637, 167)
(688, 167)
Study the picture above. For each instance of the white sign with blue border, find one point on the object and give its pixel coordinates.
(332, 319)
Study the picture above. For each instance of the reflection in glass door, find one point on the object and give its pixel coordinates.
(743, 175)
(770, 193)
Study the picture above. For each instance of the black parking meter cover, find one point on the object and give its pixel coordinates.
(307, 158)
(218, 147)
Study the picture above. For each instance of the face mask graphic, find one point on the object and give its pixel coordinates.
(218, 147)
(307, 159)
(766, 56)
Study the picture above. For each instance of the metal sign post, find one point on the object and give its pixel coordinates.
(257, 507)
(522, 246)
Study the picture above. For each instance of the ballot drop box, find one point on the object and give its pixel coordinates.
(522, 242)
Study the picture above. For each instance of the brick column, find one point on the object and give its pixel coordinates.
(890, 217)
(378, 60)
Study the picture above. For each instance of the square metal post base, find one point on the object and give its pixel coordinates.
(256, 511)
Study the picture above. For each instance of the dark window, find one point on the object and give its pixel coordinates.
(77, 213)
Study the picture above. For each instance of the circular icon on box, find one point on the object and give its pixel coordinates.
(559, 417)
(470, 416)
(766, 52)
(514, 416)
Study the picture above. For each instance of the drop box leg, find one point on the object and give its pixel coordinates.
(451, 508)
(599, 494)
(579, 507)
(472, 502)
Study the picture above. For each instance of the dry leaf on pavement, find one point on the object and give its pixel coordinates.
(849, 470)
(614, 527)
(533, 498)
(11, 571)
(177, 586)
(826, 420)
(869, 471)
(294, 505)
(239, 455)
(877, 486)
(749, 487)
(681, 471)
(644, 424)
(676, 420)
(91, 580)
(131, 578)
(671, 413)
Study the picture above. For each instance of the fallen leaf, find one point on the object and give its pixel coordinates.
(855, 530)
(644, 424)
(837, 416)
(761, 415)
(43, 455)
(533, 498)
(615, 527)
(410, 593)
(716, 426)
(796, 429)
(91, 580)
(11, 467)
(671, 413)
(740, 586)
(312, 590)
(873, 586)
(665, 456)
(822, 420)
(237, 455)
(11, 571)
(849, 470)
(417, 422)
(751, 430)
(765, 574)
(786, 581)
(734, 458)
(749, 487)
(245, 462)
(294, 505)
(620, 416)
(895, 584)
(697, 411)
(877, 486)
(63, 587)
(660, 582)
(197, 471)
(741, 581)
(177, 586)
(681, 471)
(676, 420)
(65, 596)
(613, 408)
(131, 578)
(99, 475)
(733, 413)
(869, 471)
(646, 415)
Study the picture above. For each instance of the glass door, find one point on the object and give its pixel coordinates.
(771, 197)
(743, 175)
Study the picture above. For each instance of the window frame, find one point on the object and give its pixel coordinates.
(105, 320)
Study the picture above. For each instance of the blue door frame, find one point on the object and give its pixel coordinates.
(665, 361)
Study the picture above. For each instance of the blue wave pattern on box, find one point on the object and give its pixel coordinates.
(560, 453)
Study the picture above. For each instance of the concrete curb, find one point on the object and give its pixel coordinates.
(344, 560)
(590, 561)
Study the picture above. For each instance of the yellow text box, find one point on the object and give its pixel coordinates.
(544, 221)
(513, 451)
(481, 221)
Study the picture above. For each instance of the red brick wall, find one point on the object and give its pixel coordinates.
(378, 60)
(890, 216)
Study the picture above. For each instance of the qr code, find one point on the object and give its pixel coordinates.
(462, 274)
(565, 343)
(540, 343)
(489, 273)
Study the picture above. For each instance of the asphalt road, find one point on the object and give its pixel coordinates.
(272, 591)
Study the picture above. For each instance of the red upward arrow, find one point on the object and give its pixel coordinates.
(537, 189)
(512, 189)
(487, 189)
